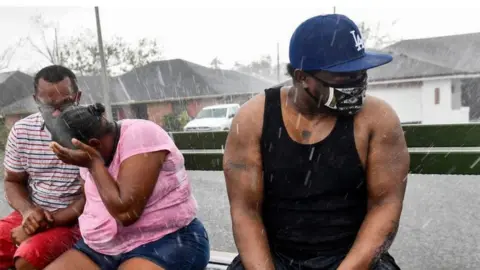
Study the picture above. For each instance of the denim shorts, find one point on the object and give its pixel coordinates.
(187, 248)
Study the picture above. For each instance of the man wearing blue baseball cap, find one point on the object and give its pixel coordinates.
(319, 181)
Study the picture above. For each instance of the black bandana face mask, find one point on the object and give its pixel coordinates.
(58, 128)
(345, 98)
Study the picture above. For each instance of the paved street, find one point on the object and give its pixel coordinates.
(440, 226)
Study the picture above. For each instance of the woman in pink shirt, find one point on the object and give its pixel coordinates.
(140, 212)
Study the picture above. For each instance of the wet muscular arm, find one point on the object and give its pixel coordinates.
(243, 174)
(387, 169)
(16, 191)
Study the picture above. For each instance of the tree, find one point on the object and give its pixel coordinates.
(216, 63)
(48, 46)
(81, 53)
(374, 37)
(173, 122)
(262, 68)
(6, 57)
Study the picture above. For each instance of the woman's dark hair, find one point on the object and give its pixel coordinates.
(87, 122)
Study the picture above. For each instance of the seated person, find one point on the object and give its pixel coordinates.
(45, 193)
(319, 181)
(140, 212)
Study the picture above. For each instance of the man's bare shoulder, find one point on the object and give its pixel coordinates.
(249, 118)
(378, 111)
(378, 116)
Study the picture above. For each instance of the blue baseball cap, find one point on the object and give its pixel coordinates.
(332, 43)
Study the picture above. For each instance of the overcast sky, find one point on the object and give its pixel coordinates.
(240, 33)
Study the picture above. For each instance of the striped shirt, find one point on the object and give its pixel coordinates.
(52, 184)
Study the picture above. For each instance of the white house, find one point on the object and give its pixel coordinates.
(437, 79)
(431, 81)
(425, 100)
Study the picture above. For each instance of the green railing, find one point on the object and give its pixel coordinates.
(434, 149)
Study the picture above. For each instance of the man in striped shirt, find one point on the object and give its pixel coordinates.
(45, 193)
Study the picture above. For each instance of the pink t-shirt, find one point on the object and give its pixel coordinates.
(170, 207)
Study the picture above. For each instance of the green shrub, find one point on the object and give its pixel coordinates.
(172, 122)
(3, 134)
(183, 118)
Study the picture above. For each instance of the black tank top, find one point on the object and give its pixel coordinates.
(315, 195)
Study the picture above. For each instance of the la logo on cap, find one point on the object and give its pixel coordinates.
(359, 44)
(332, 43)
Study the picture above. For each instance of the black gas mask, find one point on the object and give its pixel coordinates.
(346, 98)
(58, 128)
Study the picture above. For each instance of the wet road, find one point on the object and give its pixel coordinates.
(440, 226)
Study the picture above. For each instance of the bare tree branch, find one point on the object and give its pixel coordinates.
(7, 55)
(81, 53)
(48, 49)
(39, 50)
(374, 37)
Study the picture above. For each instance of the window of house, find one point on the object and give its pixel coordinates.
(437, 95)
(140, 111)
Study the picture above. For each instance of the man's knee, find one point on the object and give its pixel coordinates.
(22, 264)
(44, 247)
(7, 248)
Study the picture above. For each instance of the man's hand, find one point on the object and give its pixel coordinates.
(18, 235)
(36, 219)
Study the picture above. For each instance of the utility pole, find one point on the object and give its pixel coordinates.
(278, 62)
(106, 87)
(334, 10)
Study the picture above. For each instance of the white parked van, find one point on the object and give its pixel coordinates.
(213, 118)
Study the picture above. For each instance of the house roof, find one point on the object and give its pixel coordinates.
(229, 81)
(92, 90)
(24, 105)
(457, 52)
(4, 76)
(162, 80)
(169, 79)
(13, 86)
(404, 66)
(178, 78)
